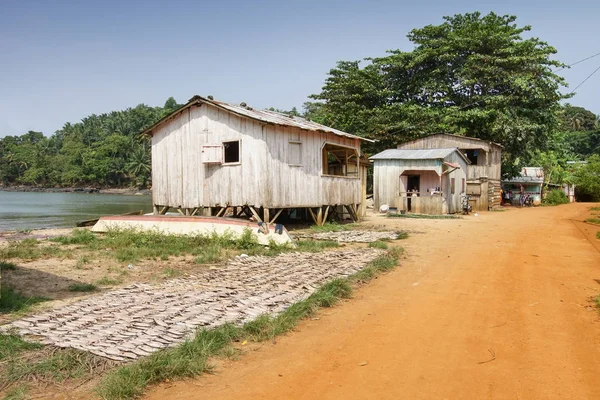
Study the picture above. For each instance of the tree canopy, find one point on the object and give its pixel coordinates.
(473, 75)
(101, 150)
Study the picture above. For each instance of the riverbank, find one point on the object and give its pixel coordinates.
(35, 189)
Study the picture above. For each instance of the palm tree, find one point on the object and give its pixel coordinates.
(139, 165)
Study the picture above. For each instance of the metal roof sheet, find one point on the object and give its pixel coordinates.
(267, 116)
(406, 154)
(529, 175)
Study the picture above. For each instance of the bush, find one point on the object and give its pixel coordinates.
(556, 197)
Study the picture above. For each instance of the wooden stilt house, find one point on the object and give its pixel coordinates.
(209, 156)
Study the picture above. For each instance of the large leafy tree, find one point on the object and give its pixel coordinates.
(471, 75)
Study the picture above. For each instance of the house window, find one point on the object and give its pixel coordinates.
(472, 155)
(340, 161)
(452, 185)
(231, 152)
(295, 153)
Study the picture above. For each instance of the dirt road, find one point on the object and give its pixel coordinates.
(489, 307)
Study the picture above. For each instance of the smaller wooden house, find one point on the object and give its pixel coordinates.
(420, 181)
(484, 170)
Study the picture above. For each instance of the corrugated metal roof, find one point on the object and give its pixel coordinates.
(529, 175)
(267, 116)
(405, 154)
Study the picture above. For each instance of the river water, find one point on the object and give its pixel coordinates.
(35, 210)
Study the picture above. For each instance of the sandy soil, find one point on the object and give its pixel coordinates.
(488, 307)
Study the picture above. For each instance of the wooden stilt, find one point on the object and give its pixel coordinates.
(325, 215)
(207, 211)
(180, 211)
(276, 215)
(221, 211)
(266, 215)
(255, 214)
(320, 216)
(155, 209)
(195, 211)
(164, 210)
(312, 214)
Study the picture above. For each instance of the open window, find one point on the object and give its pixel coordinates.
(231, 152)
(340, 161)
(472, 155)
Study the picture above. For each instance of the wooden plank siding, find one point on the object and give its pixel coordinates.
(262, 178)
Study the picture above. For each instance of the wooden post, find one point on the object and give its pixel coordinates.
(180, 211)
(325, 216)
(276, 215)
(195, 211)
(312, 214)
(320, 216)
(207, 211)
(266, 215)
(221, 211)
(164, 210)
(255, 214)
(155, 209)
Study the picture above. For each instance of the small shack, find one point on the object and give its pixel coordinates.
(532, 180)
(484, 170)
(213, 158)
(420, 181)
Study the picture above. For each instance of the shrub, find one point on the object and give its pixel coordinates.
(556, 197)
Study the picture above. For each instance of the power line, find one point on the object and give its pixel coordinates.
(577, 62)
(588, 77)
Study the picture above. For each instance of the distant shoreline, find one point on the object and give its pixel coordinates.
(89, 190)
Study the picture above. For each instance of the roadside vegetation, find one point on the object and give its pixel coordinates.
(555, 197)
(595, 221)
(12, 301)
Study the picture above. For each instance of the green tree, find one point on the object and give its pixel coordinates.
(587, 180)
(472, 75)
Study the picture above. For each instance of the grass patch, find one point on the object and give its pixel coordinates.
(378, 244)
(423, 216)
(107, 281)
(17, 393)
(314, 246)
(597, 235)
(171, 272)
(78, 236)
(56, 366)
(329, 227)
(595, 209)
(595, 221)
(29, 249)
(7, 266)
(12, 301)
(82, 287)
(11, 345)
(191, 358)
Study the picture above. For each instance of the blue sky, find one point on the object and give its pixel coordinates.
(63, 60)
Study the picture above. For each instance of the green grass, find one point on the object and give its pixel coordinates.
(423, 216)
(191, 358)
(378, 245)
(107, 281)
(597, 235)
(29, 249)
(83, 287)
(329, 227)
(17, 393)
(314, 246)
(597, 301)
(7, 266)
(12, 345)
(593, 221)
(12, 301)
(57, 366)
(78, 236)
(595, 209)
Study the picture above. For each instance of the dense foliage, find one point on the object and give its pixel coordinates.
(103, 150)
(555, 197)
(472, 75)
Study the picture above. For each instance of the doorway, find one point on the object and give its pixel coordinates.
(413, 181)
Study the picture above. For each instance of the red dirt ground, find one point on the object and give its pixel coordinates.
(489, 307)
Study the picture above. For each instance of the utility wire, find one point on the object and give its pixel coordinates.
(588, 77)
(577, 62)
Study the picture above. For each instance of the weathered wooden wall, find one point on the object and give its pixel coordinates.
(389, 183)
(487, 166)
(262, 178)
